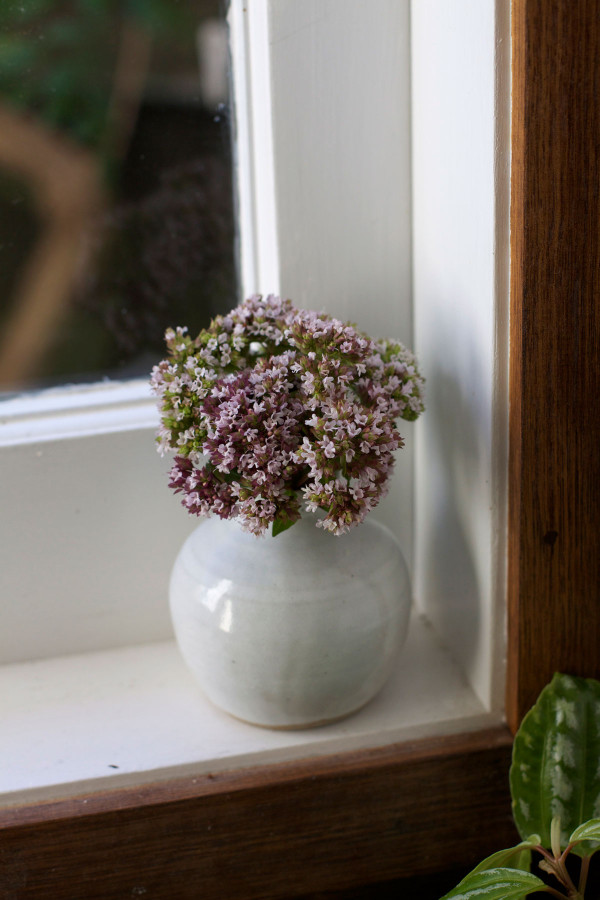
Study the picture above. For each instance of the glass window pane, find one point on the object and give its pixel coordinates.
(116, 212)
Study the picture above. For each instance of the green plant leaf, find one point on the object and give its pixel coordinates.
(518, 857)
(282, 523)
(555, 769)
(589, 831)
(496, 884)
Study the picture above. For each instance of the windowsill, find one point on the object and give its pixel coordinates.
(129, 716)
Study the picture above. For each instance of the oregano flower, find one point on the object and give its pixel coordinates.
(273, 408)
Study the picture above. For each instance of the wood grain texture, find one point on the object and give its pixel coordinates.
(554, 465)
(273, 832)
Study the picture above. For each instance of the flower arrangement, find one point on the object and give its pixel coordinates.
(273, 406)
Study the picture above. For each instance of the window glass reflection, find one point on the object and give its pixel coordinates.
(116, 213)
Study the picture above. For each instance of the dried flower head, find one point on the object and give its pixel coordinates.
(273, 408)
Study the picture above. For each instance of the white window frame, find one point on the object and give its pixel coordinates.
(86, 509)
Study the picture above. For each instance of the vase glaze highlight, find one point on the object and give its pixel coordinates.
(292, 631)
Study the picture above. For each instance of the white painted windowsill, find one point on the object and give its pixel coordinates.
(77, 724)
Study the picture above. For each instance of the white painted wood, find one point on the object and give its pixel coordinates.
(88, 527)
(88, 534)
(326, 193)
(77, 411)
(254, 148)
(66, 722)
(460, 237)
(237, 18)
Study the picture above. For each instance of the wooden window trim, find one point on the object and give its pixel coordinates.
(274, 831)
(554, 458)
(333, 822)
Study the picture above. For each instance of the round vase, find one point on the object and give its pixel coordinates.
(290, 631)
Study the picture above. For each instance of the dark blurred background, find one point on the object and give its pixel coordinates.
(116, 199)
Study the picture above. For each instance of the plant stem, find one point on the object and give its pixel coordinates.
(583, 874)
(555, 865)
(553, 891)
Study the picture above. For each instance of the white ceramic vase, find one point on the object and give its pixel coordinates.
(292, 631)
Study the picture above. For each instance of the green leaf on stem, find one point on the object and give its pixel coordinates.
(518, 857)
(496, 884)
(555, 770)
(282, 523)
(588, 831)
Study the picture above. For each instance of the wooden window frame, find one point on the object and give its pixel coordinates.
(335, 822)
(554, 469)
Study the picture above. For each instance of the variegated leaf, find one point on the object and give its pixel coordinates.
(589, 831)
(496, 884)
(518, 857)
(556, 760)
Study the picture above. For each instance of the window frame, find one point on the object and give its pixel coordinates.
(554, 467)
(330, 823)
(84, 457)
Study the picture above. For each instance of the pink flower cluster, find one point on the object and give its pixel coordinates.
(273, 407)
